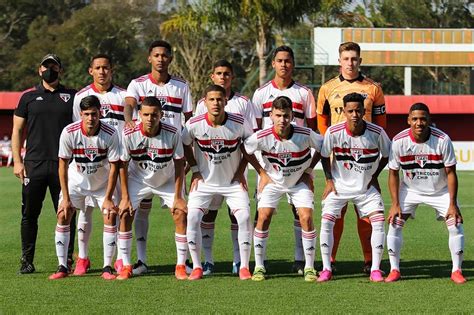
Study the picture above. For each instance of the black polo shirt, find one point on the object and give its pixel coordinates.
(46, 114)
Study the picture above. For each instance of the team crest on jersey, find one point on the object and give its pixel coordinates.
(338, 110)
(104, 110)
(421, 159)
(91, 153)
(356, 153)
(152, 152)
(348, 166)
(65, 96)
(285, 157)
(217, 144)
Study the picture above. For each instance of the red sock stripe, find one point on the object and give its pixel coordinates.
(399, 222)
(260, 234)
(207, 225)
(125, 236)
(234, 227)
(296, 223)
(63, 229)
(377, 218)
(308, 235)
(180, 239)
(450, 222)
(329, 217)
(108, 229)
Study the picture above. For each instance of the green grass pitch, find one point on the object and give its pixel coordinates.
(425, 267)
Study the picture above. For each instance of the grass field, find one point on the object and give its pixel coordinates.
(425, 266)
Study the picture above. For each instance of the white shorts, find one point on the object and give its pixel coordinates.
(79, 197)
(300, 195)
(236, 197)
(139, 191)
(118, 192)
(365, 203)
(409, 201)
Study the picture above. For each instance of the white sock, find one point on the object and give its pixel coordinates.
(84, 230)
(117, 224)
(260, 246)
(326, 239)
(456, 243)
(234, 234)
(141, 231)
(395, 242)
(377, 239)
(244, 235)
(207, 231)
(309, 246)
(194, 236)
(110, 243)
(125, 246)
(299, 250)
(181, 248)
(61, 238)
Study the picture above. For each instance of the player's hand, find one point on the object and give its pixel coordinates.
(66, 208)
(125, 207)
(263, 181)
(240, 178)
(375, 182)
(195, 179)
(329, 189)
(19, 171)
(454, 212)
(130, 124)
(179, 204)
(109, 208)
(395, 211)
(307, 179)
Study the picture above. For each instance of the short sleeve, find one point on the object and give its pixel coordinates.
(250, 115)
(326, 149)
(187, 134)
(247, 129)
(125, 149)
(133, 91)
(251, 144)
(22, 108)
(310, 106)
(384, 144)
(113, 152)
(257, 105)
(316, 141)
(187, 100)
(178, 146)
(200, 108)
(394, 156)
(322, 102)
(449, 158)
(76, 108)
(65, 145)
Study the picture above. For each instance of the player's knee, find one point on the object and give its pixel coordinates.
(179, 217)
(305, 216)
(194, 217)
(327, 225)
(110, 219)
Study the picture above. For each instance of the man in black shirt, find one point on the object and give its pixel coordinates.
(44, 110)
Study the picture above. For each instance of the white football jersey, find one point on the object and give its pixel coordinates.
(304, 106)
(112, 104)
(285, 160)
(217, 149)
(90, 156)
(237, 104)
(151, 159)
(422, 164)
(174, 95)
(355, 159)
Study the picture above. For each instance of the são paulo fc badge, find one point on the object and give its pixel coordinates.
(104, 109)
(421, 160)
(91, 153)
(65, 96)
(285, 157)
(356, 153)
(217, 144)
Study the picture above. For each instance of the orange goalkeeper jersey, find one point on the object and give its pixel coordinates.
(330, 105)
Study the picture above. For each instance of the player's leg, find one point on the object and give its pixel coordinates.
(337, 234)
(207, 232)
(141, 234)
(84, 229)
(109, 240)
(364, 229)
(394, 246)
(298, 264)
(124, 241)
(234, 235)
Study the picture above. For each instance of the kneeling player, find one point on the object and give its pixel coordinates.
(426, 157)
(218, 168)
(93, 147)
(156, 167)
(286, 153)
(355, 146)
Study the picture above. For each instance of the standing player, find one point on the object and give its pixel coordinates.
(93, 147)
(286, 152)
(426, 157)
(218, 166)
(155, 152)
(330, 110)
(112, 102)
(176, 101)
(223, 74)
(304, 114)
(356, 147)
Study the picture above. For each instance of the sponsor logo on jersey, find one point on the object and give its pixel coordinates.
(217, 144)
(421, 159)
(410, 175)
(285, 157)
(356, 153)
(91, 153)
(348, 166)
(65, 96)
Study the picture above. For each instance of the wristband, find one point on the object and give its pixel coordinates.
(194, 169)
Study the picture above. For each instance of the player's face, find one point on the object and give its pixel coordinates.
(354, 113)
(283, 64)
(101, 71)
(160, 59)
(215, 102)
(281, 119)
(150, 117)
(90, 118)
(349, 61)
(222, 76)
(419, 121)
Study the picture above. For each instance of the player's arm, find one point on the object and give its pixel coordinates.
(394, 188)
(125, 205)
(453, 210)
(18, 167)
(323, 111)
(196, 176)
(66, 204)
(311, 117)
(379, 115)
(374, 181)
(330, 187)
(179, 177)
(264, 178)
(239, 175)
(130, 105)
(108, 205)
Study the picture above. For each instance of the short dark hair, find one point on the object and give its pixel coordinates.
(353, 98)
(282, 103)
(152, 101)
(285, 49)
(89, 102)
(99, 56)
(214, 88)
(419, 106)
(349, 46)
(222, 63)
(160, 43)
